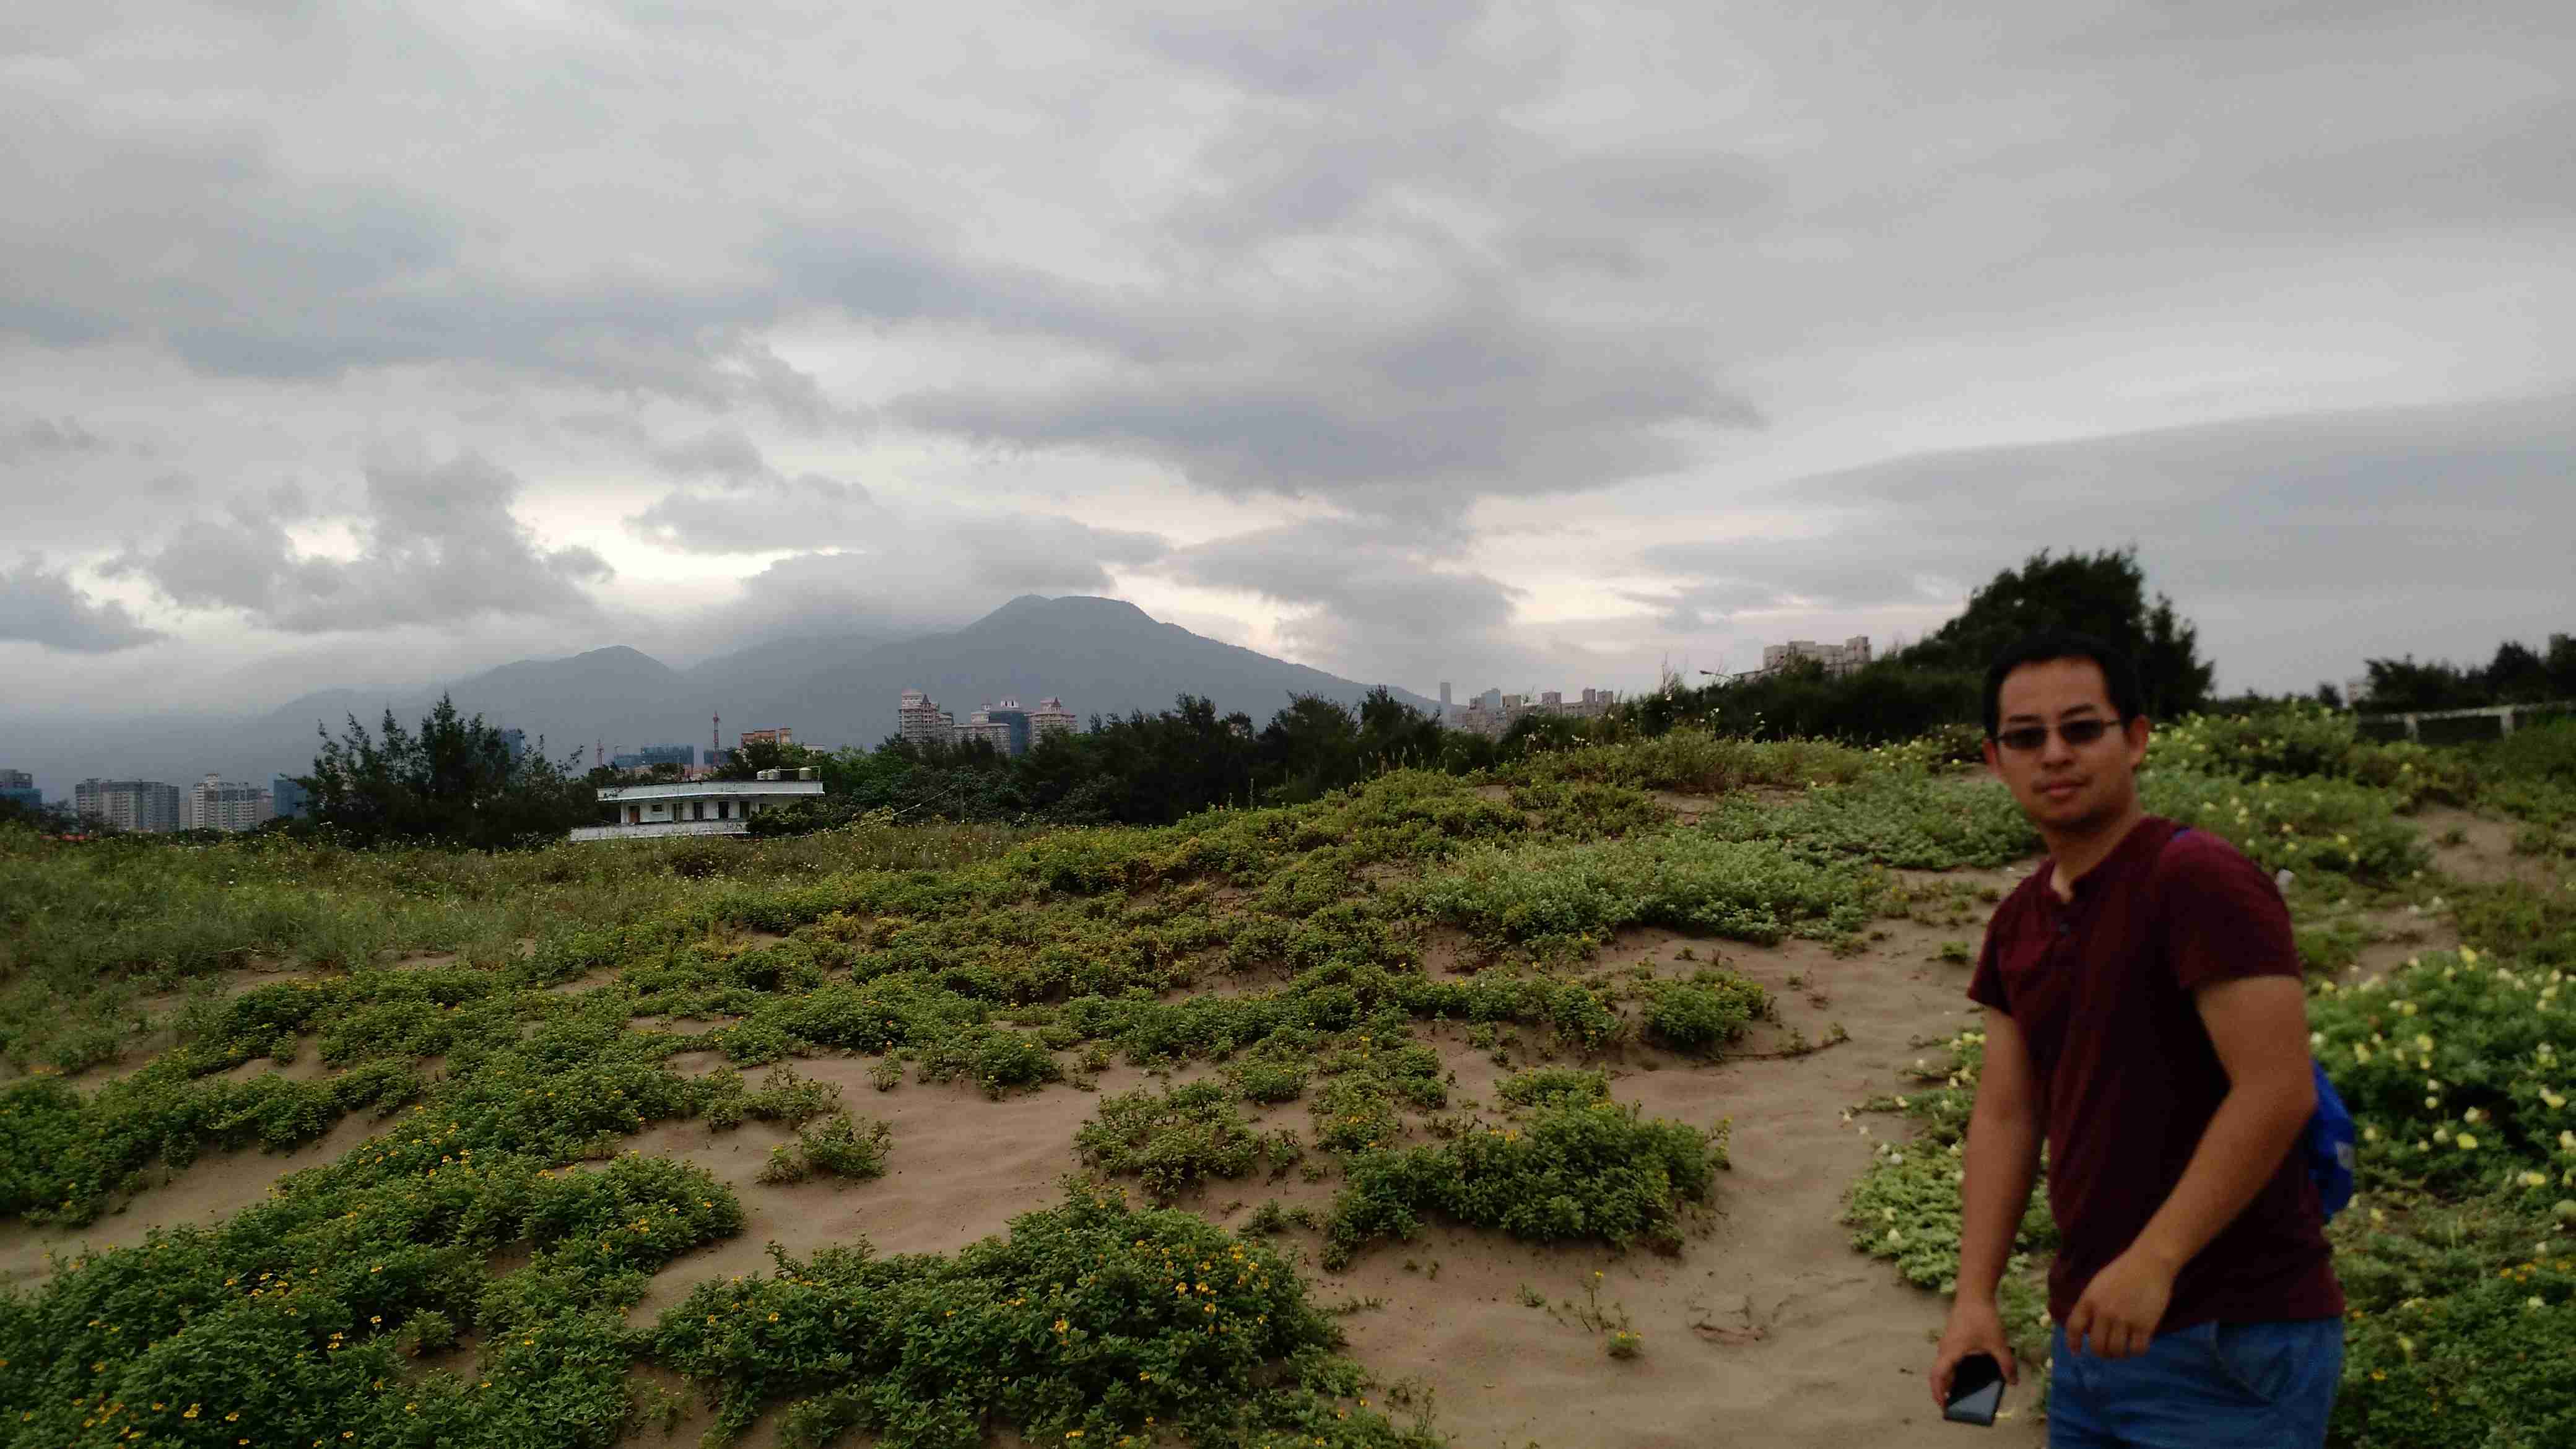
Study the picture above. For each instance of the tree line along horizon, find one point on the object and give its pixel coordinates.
(457, 780)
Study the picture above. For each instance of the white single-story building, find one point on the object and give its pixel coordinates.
(696, 807)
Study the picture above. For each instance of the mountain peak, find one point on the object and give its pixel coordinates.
(1085, 609)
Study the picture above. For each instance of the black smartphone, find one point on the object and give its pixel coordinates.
(1976, 1391)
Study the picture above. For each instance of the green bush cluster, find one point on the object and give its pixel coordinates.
(1693, 761)
(1175, 1140)
(283, 1325)
(2304, 741)
(2461, 1071)
(1086, 1323)
(2460, 1329)
(1555, 1086)
(1559, 1170)
(1705, 1013)
(1565, 900)
(1896, 816)
(2310, 827)
(836, 1143)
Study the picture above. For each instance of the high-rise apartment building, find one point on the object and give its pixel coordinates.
(215, 803)
(19, 788)
(780, 736)
(1050, 718)
(1444, 699)
(1008, 713)
(920, 721)
(1843, 658)
(139, 805)
(287, 800)
(982, 726)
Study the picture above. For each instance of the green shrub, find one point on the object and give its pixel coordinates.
(1082, 1325)
(1694, 761)
(1172, 1140)
(2461, 1330)
(1555, 1086)
(1894, 816)
(1705, 1013)
(839, 1145)
(1567, 1171)
(2310, 827)
(995, 1058)
(2461, 1073)
(1567, 899)
(1268, 1080)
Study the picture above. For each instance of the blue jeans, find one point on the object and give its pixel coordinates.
(2209, 1386)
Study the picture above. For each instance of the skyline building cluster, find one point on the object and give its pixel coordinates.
(1848, 657)
(1494, 712)
(1006, 725)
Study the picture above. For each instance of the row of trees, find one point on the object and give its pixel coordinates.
(456, 780)
(2518, 674)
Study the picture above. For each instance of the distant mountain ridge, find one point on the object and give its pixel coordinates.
(1100, 656)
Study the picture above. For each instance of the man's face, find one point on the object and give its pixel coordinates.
(2063, 787)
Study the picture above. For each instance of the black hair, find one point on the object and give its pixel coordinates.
(2119, 674)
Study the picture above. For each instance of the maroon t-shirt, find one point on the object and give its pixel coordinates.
(2101, 988)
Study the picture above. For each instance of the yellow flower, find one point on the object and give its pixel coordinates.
(2467, 1142)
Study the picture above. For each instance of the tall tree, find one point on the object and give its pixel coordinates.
(455, 780)
(2103, 594)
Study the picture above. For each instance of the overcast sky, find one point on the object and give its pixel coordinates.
(1525, 345)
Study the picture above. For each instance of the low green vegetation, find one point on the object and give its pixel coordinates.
(489, 1033)
(1555, 1169)
(1898, 816)
(1089, 1322)
(1564, 901)
(1177, 1139)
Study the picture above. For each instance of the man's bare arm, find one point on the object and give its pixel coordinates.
(2001, 1159)
(2000, 1162)
(2259, 1026)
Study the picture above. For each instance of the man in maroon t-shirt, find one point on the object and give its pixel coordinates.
(2145, 1017)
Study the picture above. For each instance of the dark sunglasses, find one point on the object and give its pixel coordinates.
(2022, 739)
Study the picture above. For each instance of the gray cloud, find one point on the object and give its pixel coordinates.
(2424, 529)
(439, 545)
(43, 606)
(1384, 605)
(926, 569)
(38, 438)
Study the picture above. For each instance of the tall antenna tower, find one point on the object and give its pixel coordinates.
(715, 733)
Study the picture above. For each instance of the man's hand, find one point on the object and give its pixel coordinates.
(2121, 1307)
(1975, 1327)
